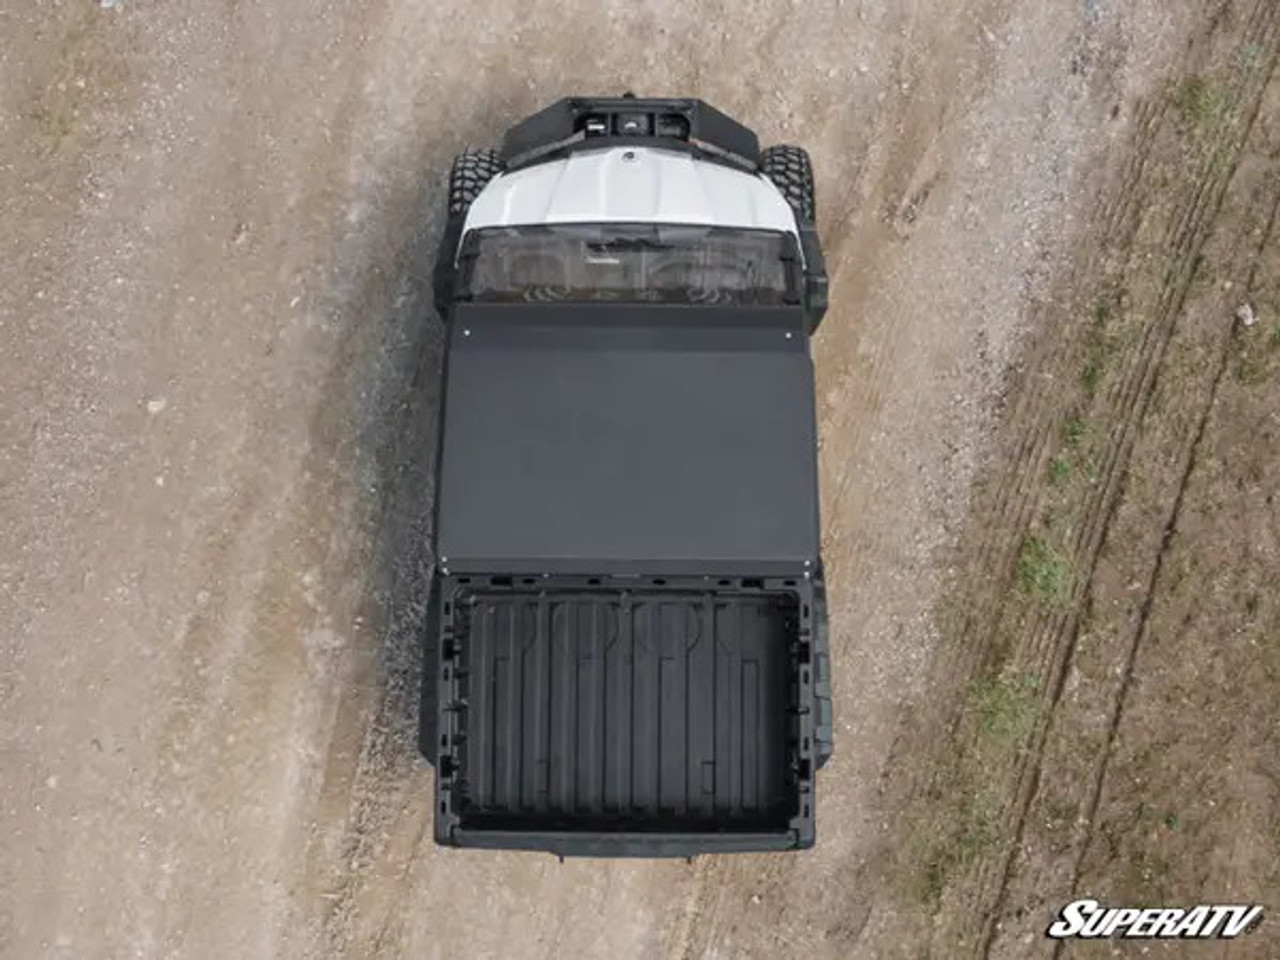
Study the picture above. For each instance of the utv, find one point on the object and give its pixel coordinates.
(626, 642)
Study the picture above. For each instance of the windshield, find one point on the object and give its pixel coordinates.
(648, 262)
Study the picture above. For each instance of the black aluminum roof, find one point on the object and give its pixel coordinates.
(609, 438)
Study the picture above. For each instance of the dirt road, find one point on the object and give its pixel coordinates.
(217, 374)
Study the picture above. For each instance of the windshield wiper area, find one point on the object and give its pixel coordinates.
(627, 243)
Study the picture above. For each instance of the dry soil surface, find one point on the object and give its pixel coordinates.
(218, 371)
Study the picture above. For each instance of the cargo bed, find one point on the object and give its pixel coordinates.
(625, 716)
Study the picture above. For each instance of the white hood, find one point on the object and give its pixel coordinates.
(631, 184)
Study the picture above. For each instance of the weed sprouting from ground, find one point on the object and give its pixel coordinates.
(1202, 102)
(1255, 361)
(975, 830)
(1250, 57)
(1059, 471)
(1074, 430)
(1007, 709)
(1098, 349)
(1044, 574)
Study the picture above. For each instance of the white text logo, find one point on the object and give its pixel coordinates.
(1089, 919)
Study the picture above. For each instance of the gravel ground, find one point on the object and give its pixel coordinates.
(219, 367)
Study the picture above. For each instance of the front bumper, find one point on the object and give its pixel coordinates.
(585, 122)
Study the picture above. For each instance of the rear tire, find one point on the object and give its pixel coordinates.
(471, 172)
(791, 172)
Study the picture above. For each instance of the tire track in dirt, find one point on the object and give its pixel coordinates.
(1036, 424)
(1020, 495)
(1119, 217)
(1191, 236)
(1082, 729)
(1151, 588)
(1057, 642)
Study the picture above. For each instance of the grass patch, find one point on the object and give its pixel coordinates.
(979, 826)
(1201, 276)
(1044, 574)
(1250, 57)
(1203, 103)
(1074, 431)
(1252, 366)
(1098, 349)
(933, 879)
(974, 832)
(1008, 709)
(1090, 376)
(1061, 814)
(1084, 446)
(1059, 471)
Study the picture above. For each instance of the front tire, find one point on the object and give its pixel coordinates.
(789, 169)
(471, 172)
